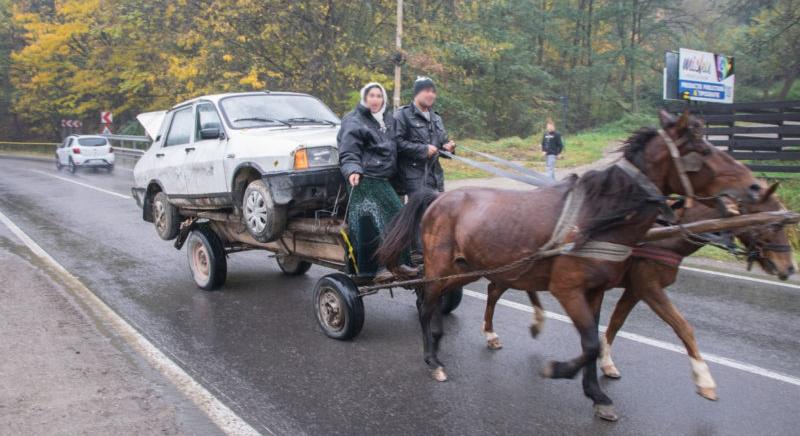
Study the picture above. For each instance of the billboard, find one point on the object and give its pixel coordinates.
(704, 76)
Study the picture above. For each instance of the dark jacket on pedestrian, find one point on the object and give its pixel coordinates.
(365, 147)
(552, 144)
(413, 133)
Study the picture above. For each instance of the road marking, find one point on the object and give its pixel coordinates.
(226, 419)
(745, 278)
(83, 184)
(724, 361)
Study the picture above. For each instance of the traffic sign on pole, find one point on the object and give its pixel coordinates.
(106, 117)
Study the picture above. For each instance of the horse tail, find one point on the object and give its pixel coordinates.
(402, 229)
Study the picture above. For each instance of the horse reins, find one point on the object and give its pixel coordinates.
(678, 162)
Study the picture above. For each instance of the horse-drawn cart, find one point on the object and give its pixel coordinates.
(210, 237)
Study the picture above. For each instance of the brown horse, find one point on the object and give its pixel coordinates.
(469, 230)
(654, 266)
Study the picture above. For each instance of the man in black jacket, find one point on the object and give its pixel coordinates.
(420, 134)
(552, 147)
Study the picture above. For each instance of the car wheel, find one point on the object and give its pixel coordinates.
(206, 258)
(264, 220)
(58, 164)
(110, 168)
(165, 217)
(292, 265)
(72, 166)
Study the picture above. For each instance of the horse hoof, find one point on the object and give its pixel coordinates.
(605, 412)
(494, 344)
(708, 393)
(547, 370)
(439, 374)
(535, 330)
(610, 371)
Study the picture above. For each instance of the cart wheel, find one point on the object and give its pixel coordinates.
(292, 265)
(206, 258)
(451, 300)
(339, 309)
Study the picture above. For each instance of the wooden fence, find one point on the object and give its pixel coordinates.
(765, 134)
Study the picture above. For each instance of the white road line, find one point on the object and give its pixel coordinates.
(228, 421)
(724, 361)
(86, 185)
(745, 278)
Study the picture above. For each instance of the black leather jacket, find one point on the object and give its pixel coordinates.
(413, 133)
(365, 148)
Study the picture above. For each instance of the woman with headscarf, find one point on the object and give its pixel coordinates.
(368, 159)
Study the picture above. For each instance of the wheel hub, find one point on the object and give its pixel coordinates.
(161, 219)
(331, 310)
(200, 260)
(255, 211)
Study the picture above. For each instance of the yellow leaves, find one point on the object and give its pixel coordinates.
(252, 79)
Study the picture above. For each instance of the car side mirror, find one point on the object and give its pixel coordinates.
(210, 133)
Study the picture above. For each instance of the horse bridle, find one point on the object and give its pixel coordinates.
(678, 161)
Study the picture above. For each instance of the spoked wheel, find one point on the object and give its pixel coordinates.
(451, 300)
(292, 265)
(206, 258)
(339, 309)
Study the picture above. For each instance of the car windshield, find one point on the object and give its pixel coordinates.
(269, 110)
(92, 142)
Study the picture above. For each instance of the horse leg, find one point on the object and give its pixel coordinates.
(492, 340)
(658, 300)
(603, 407)
(538, 314)
(428, 303)
(577, 308)
(623, 308)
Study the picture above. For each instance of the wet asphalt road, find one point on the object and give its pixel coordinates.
(257, 347)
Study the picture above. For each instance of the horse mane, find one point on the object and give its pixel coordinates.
(611, 196)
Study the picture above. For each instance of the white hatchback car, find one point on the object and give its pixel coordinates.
(79, 151)
(264, 156)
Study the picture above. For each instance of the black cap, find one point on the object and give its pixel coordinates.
(421, 83)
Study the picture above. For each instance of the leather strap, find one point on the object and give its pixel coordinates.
(678, 162)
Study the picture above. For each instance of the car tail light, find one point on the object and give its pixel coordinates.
(110, 149)
(76, 150)
(300, 159)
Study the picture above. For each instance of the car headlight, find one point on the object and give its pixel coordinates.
(312, 157)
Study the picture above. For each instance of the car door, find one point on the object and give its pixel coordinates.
(171, 154)
(205, 173)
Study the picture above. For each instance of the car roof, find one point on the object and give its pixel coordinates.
(217, 97)
(87, 136)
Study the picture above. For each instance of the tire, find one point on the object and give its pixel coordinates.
(451, 300)
(292, 265)
(58, 164)
(265, 221)
(337, 306)
(207, 260)
(72, 166)
(110, 169)
(165, 217)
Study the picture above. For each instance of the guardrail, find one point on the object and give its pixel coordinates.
(30, 147)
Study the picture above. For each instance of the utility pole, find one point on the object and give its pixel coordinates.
(398, 56)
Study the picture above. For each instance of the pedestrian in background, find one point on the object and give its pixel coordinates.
(552, 148)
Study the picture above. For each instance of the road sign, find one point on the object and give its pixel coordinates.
(704, 76)
(106, 130)
(71, 123)
(106, 118)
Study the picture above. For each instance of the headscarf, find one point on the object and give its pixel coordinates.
(377, 115)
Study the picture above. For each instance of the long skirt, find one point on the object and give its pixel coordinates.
(373, 203)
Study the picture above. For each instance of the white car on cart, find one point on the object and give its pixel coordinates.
(263, 157)
(85, 151)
